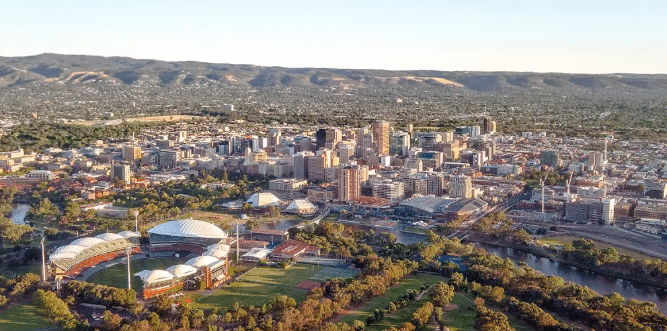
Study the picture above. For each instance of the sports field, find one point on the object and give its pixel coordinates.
(330, 272)
(116, 275)
(24, 318)
(258, 286)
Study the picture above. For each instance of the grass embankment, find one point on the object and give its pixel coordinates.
(569, 239)
(258, 286)
(24, 318)
(116, 275)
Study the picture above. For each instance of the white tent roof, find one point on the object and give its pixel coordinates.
(262, 199)
(108, 236)
(189, 228)
(216, 253)
(202, 261)
(300, 204)
(181, 270)
(154, 276)
(258, 253)
(223, 247)
(66, 252)
(129, 234)
(87, 242)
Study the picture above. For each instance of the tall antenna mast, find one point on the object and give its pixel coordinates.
(43, 259)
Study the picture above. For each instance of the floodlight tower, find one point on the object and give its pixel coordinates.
(136, 220)
(43, 259)
(237, 240)
(568, 184)
(129, 278)
(542, 184)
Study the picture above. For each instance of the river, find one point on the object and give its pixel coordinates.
(19, 212)
(599, 283)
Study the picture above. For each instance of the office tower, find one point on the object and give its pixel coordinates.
(349, 187)
(225, 147)
(399, 143)
(460, 186)
(274, 137)
(301, 164)
(415, 184)
(167, 158)
(488, 125)
(320, 138)
(436, 183)
(381, 137)
(549, 158)
(428, 140)
(346, 152)
(333, 137)
(122, 172)
(131, 153)
(452, 150)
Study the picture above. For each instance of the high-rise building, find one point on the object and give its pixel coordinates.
(488, 125)
(301, 164)
(415, 184)
(436, 183)
(381, 137)
(388, 189)
(399, 143)
(131, 153)
(346, 152)
(349, 187)
(428, 140)
(328, 138)
(122, 172)
(452, 150)
(274, 137)
(460, 186)
(549, 158)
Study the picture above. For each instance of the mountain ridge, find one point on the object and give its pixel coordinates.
(49, 68)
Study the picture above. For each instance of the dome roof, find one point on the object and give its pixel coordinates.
(216, 253)
(189, 228)
(87, 242)
(181, 270)
(202, 261)
(129, 234)
(150, 277)
(108, 236)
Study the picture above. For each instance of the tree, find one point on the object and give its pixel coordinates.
(422, 315)
(442, 294)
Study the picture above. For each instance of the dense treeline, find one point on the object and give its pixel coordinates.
(57, 311)
(38, 136)
(608, 312)
(17, 289)
(99, 294)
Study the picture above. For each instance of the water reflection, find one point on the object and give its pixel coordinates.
(599, 283)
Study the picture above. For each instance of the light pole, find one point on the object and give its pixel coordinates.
(129, 280)
(136, 220)
(237, 240)
(43, 260)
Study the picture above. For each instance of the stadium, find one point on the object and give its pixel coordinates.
(184, 235)
(70, 260)
(206, 271)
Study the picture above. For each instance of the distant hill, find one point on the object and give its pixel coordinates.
(83, 69)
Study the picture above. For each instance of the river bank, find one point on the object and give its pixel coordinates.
(554, 256)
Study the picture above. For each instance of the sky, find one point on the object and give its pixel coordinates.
(539, 36)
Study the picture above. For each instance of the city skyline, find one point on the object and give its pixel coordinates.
(480, 36)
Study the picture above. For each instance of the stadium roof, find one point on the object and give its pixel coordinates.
(129, 234)
(216, 253)
(428, 204)
(87, 242)
(202, 261)
(182, 270)
(189, 228)
(154, 276)
(262, 199)
(109, 236)
(219, 246)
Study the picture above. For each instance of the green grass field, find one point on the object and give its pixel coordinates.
(258, 286)
(23, 318)
(116, 275)
(396, 319)
(331, 272)
(569, 239)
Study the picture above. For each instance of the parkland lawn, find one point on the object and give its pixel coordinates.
(23, 318)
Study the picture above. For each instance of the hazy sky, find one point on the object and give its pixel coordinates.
(564, 36)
